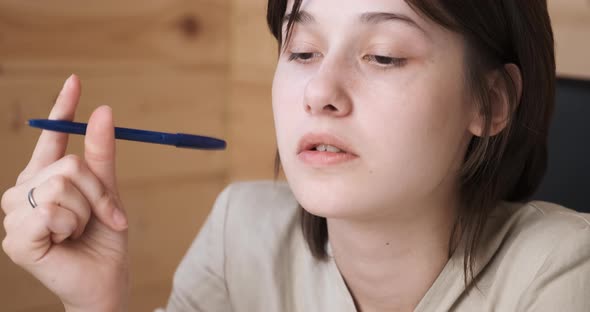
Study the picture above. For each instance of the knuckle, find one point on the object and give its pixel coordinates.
(84, 211)
(7, 247)
(7, 223)
(47, 212)
(5, 202)
(22, 176)
(59, 184)
(74, 164)
(61, 140)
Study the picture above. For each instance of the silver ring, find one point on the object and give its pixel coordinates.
(31, 198)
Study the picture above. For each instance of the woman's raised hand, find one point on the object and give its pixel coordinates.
(75, 239)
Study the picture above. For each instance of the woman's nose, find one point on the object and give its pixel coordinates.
(325, 94)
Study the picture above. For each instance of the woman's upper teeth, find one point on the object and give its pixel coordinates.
(327, 148)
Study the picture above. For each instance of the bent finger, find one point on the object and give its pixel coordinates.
(103, 203)
(36, 231)
(61, 191)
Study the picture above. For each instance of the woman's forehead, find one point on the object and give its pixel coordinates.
(346, 7)
(364, 12)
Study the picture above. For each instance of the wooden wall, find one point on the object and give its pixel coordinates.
(571, 27)
(161, 64)
(195, 66)
(252, 60)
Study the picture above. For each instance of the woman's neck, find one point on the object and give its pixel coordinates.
(390, 263)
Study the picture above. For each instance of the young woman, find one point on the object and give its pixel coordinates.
(411, 133)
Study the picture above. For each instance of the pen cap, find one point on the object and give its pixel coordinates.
(200, 142)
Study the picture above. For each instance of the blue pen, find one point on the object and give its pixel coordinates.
(176, 139)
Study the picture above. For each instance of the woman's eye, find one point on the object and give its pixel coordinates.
(302, 57)
(382, 61)
(385, 61)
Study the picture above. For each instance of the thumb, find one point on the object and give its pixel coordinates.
(99, 153)
(99, 147)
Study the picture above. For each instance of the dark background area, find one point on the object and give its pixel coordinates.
(567, 181)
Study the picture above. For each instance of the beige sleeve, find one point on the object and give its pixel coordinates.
(199, 281)
(563, 281)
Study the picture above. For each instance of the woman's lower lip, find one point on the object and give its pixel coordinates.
(317, 158)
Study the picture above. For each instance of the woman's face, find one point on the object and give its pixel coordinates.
(386, 87)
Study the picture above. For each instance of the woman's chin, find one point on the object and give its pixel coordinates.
(328, 204)
(328, 211)
(330, 196)
(333, 194)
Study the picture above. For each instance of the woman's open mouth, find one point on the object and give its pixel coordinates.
(321, 149)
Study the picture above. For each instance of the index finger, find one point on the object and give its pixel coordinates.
(52, 145)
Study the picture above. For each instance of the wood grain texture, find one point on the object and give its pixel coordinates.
(251, 131)
(161, 65)
(111, 33)
(571, 27)
(251, 127)
(170, 101)
(198, 66)
(166, 218)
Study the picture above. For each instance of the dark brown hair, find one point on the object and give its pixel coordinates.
(507, 166)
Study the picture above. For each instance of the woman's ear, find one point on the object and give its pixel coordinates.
(499, 100)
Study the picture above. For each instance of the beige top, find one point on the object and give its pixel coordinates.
(251, 256)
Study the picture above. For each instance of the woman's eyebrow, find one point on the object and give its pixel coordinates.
(381, 17)
(303, 17)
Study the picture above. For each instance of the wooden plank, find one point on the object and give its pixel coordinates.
(56, 307)
(250, 33)
(134, 33)
(169, 101)
(161, 65)
(19, 291)
(572, 50)
(572, 11)
(164, 218)
(251, 132)
(153, 295)
(571, 26)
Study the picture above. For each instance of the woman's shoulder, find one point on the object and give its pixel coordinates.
(535, 230)
(558, 215)
(531, 254)
(534, 252)
(542, 223)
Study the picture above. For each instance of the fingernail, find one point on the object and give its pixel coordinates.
(119, 218)
(68, 81)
